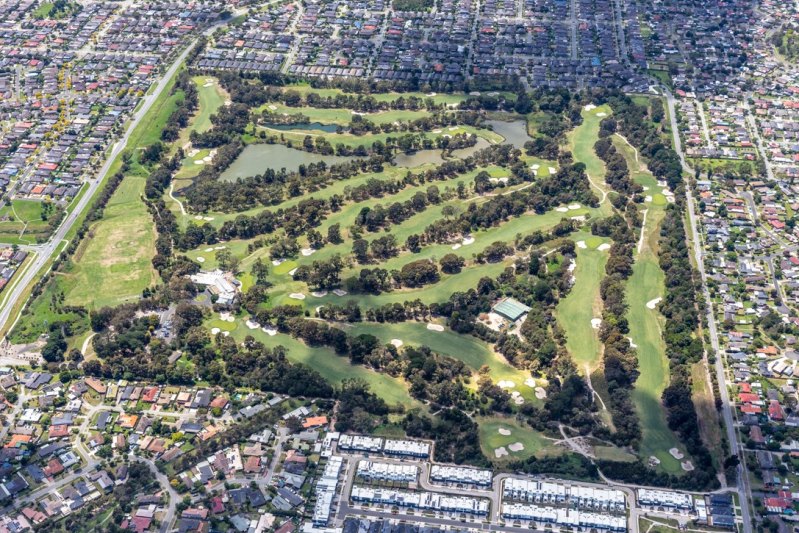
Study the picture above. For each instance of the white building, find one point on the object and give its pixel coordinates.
(534, 491)
(665, 498)
(221, 284)
(459, 474)
(404, 473)
(411, 448)
(326, 491)
(563, 517)
(360, 443)
(429, 501)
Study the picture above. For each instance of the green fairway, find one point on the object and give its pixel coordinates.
(211, 98)
(644, 286)
(333, 367)
(113, 265)
(474, 352)
(534, 443)
(351, 141)
(583, 304)
(342, 117)
(581, 143)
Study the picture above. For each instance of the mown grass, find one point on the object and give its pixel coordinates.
(332, 367)
(535, 444)
(473, 352)
(647, 283)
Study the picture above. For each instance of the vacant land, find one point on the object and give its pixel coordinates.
(22, 222)
(113, 265)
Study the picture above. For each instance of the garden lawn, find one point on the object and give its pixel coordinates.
(113, 263)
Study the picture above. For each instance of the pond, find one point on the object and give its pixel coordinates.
(304, 126)
(256, 158)
(433, 157)
(515, 131)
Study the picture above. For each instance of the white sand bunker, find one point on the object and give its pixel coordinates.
(292, 271)
(199, 162)
(504, 431)
(198, 217)
(435, 327)
(600, 114)
(252, 325)
(270, 331)
(552, 170)
(651, 304)
(602, 247)
(516, 447)
(201, 259)
(517, 397)
(297, 295)
(467, 240)
(209, 219)
(319, 294)
(456, 246)
(581, 244)
(396, 342)
(215, 331)
(596, 322)
(307, 251)
(687, 466)
(500, 452)
(535, 167)
(632, 344)
(219, 247)
(436, 131)
(339, 292)
(273, 107)
(277, 262)
(677, 454)
(208, 250)
(572, 207)
(648, 198)
(653, 461)
(561, 209)
(540, 393)
(225, 333)
(589, 107)
(193, 152)
(506, 384)
(530, 382)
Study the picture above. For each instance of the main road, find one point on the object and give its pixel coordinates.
(744, 491)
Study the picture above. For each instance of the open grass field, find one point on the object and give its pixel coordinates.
(643, 288)
(533, 442)
(21, 222)
(333, 367)
(473, 352)
(211, 97)
(113, 265)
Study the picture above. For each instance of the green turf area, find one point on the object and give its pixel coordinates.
(474, 352)
(211, 98)
(535, 444)
(21, 222)
(583, 304)
(333, 367)
(448, 99)
(112, 265)
(644, 286)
